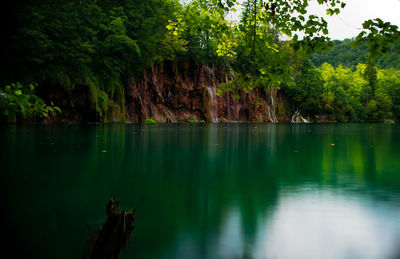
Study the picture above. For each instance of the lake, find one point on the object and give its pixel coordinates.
(205, 190)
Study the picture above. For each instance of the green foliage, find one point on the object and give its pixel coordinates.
(259, 58)
(353, 96)
(150, 121)
(343, 54)
(389, 83)
(17, 100)
(380, 108)
(98, 99)
(305, 92)
(380, 38)
(363, 94)
(193, 119)
(201, 31)
(98, 44)
(292, 18)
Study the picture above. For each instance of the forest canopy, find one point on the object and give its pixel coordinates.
(343, 54)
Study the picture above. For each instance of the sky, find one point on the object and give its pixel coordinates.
(349, 22)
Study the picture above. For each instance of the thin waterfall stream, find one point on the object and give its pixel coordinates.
(212, 95)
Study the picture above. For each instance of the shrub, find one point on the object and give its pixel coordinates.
(150, 121)
(19, 101)
(193, 119)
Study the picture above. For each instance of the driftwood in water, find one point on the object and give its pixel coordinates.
(113, 236)
(297, 118)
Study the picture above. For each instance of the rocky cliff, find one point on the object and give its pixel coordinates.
(168, 92)
(174, 92)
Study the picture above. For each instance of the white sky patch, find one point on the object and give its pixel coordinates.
(349, 22)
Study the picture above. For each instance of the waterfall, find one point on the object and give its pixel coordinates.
(212, 94)
(272, 105)
(297, 118)
(208, 71)
(230, 75)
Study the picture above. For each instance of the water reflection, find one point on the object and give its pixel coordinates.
(206, 191)
(321, 224)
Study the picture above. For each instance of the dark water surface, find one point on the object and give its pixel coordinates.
(205, 191)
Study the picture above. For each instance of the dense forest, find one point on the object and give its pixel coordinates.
(86, 60)
(342, 53)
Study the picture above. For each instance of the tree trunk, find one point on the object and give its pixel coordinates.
(113, 236)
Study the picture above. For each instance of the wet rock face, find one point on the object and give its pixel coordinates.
(177, 92)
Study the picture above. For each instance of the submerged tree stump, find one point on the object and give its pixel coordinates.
(113, 236)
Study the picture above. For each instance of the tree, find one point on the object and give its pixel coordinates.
(342, 53)
(305, 92)
(380, 37)
(379, 109)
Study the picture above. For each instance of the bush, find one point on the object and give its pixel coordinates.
(193, 119)
(19, 101)
(150, 121)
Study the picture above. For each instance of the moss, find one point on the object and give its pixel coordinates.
(98, 100)
(109, 106)
(121, 102)
(283, 110)
(66, 83)
(206, 104)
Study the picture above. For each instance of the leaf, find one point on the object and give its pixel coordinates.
(18, 92)
(263, 71)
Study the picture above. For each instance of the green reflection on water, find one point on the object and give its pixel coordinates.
(227, 190)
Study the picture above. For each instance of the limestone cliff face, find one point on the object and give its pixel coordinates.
(178, 92)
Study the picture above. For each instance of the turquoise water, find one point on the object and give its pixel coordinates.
(205, 191)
